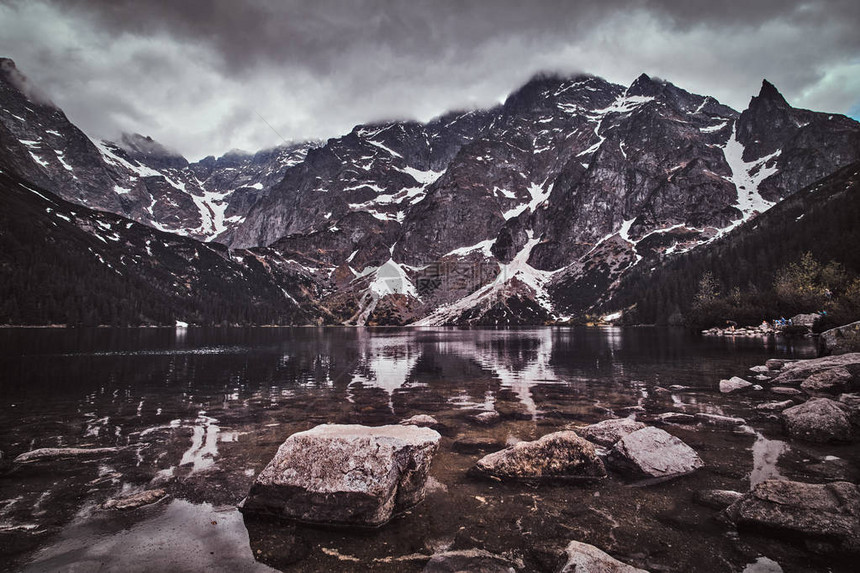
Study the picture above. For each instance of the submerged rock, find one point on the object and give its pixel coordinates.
(137, 500)
(829, 512)
(786, 391)
(423, 420)
(561, 455)
(46, 454)
(717, 498)
(487, 418)
(675, 418)
(585, 558)
(818, 420)
(654, 453)
(719, 421)
(734, 384)
(471, 560)
(774, 364)
(834, 380)
(607, 432)
(345, 474)
(774, 406)
(473, 444)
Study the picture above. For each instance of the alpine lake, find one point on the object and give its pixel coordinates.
(199, 412)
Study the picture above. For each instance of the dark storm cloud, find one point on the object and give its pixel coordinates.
(196, 73)
(319, 33)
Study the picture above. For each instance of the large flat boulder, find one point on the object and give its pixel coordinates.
(585, 558)
(794, 373)
(653, 453)
(828, 512)
(818, 420)
(842, 339)
(345, 474)
(607, 432)
(561, 455)
(833, 381)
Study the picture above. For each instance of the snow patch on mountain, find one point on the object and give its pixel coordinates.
(538, 194)
(747, 176)
(117, 161)
(425, 178)
(517, 271)
(484, 247)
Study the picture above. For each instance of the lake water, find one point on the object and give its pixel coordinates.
(201, 411)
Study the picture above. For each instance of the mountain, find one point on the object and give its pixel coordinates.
(62, 263)
(820, 219)
(135, 177)
(537, 209)
(529, 212)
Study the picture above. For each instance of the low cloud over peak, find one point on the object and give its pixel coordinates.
(206, 76)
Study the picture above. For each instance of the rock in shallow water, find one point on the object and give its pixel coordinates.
(834, 380)
(786, 391)
(818, 420)
(561, 455)
(473, 444)
(471, 560)
(47, 454)
(774, 406)
(797, 372)
(829, 512)
(423, 420)
(734, 384)
(719, 421)
(717, 498)
(345, 474)
(842, 340)
(774, 364)
(487, 418)
(140, 499)
(607, 432)
(585, 558)
(653, 453)
(675, 418)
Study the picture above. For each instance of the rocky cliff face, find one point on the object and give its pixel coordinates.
(524, 213)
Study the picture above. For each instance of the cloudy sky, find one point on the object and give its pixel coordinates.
(204, 77)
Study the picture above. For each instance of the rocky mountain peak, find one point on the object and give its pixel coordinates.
(769, 95)
(10, 74)
(540, 91)
(146, 150)
(645, 86)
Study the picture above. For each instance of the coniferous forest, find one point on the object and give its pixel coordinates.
(66, 264)
(800, 256)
